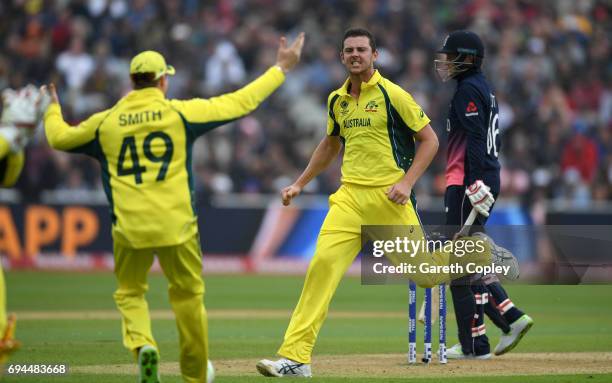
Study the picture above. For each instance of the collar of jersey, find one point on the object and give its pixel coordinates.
(371, 82)
(147, 92)
(469, 73)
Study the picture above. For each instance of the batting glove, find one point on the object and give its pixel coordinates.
(480, 197)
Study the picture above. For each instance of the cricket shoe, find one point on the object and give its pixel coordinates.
(284, 367)
(502, 257)
(8, 343)
(456, 353)
(148, 364)
(517, 330)
(210, 372)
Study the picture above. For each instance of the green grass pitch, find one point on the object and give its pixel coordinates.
(249, 314)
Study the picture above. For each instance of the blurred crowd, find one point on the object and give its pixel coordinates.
(548, 60)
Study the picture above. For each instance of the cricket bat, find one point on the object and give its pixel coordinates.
(435, 294)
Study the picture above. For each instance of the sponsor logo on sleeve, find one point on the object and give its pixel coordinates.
(471, 110)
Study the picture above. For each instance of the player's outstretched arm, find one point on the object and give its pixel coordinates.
(50, 92)
(206, 114)
(288, 56)
(61, 135)
(324, 154)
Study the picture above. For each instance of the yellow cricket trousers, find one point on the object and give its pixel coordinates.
(338, 244)
(11, 165)
(3, 318)
(182, 266)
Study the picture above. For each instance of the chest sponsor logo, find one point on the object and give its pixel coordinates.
(371, 106)
(356, 123)
(471, 110)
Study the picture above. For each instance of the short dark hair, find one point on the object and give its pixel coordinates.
(144, 80)
(355, 32)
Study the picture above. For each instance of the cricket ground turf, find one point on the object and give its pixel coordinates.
(71, 318)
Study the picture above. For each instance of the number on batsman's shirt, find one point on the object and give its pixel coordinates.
(144, 145)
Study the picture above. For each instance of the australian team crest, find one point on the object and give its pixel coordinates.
(371, 106)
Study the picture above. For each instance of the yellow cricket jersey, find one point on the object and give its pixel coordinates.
(144, 144)
(377, 131)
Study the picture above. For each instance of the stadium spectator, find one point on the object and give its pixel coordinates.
(550, 60)
(75, 64)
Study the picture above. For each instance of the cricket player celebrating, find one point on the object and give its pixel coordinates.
(472, 182)
(21, 114)
(144, 144)
(378, 123)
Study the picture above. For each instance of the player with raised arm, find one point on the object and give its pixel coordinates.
(21, 114)
(378, 123)
(472, 182)
(143, 144)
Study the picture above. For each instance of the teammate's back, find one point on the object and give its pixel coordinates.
(143, 142)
